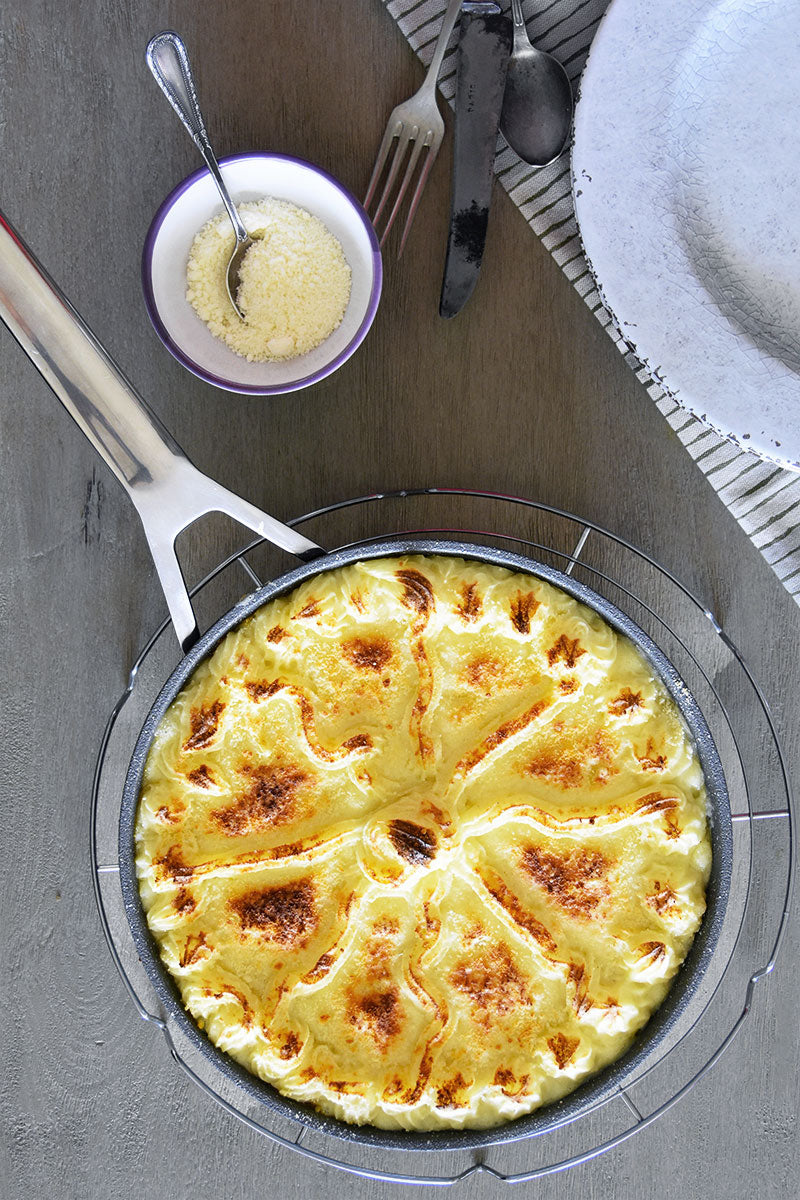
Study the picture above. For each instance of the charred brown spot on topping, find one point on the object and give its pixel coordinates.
(577, 760)
(263, 689)
(290, 849)
(311, 609)
(291, 1047)
(270, 800)
(449, 1095)
(277, 634)
(357, 601)
(484, 673)
(369, 654)
(562, 769)
(378, 1014)
(525, 919)
(565, 650)
(652, 950)
(563, 1048)
(656, 802)
(523, 606)
(499, 736)
(321, 968)
(470, 606)
(568, 686)
(625, 702)
(672, 827)
(575, 881)
(512, 1087)
(650, 760)
(184, 903)
(203, 724)
(201, 777)
(238, 998)
(345, 1087)
(394, 1089)
(577, 976)
(439, 816)
(359, 741)
(379, 948)
(432, 924)
(383, 929)
(492, 983)
(414, 843)
(284, 913)
(424, 697)
(474, 934)
(170, 816)
(417, 592)
(663, 897)
(193, 949)
(173, 867)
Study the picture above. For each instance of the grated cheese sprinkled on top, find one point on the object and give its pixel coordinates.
(294, 281)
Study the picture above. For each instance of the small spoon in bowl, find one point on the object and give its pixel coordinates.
(537, 103)
(167, 59)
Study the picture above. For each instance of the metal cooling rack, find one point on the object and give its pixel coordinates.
(762, 808)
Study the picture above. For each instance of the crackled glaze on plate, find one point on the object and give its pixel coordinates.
(686, 173)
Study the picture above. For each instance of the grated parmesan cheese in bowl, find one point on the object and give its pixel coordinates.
(295, 281)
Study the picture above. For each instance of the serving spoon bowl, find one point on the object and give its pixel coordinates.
(537, 104)
(169, 62)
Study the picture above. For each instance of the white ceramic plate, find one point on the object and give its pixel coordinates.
(686, 178)
(166, 253)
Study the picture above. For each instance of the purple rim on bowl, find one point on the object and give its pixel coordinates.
(181, 355)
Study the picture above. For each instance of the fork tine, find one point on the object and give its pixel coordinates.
(413, 159)
(403, 142)
(393, 130)
(430, 158)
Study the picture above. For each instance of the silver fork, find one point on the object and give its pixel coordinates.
(416, 123)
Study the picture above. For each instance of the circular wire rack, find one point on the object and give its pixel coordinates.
(762, 809)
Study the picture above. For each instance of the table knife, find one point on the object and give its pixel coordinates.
(483, 52)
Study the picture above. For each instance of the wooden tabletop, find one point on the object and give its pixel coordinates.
(523, 393)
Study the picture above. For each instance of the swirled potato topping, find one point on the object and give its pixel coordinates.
(423, 843)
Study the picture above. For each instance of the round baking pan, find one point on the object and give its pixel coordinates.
(169, 494)
(683, 986)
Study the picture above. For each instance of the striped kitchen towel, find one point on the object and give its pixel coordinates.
(764, 498)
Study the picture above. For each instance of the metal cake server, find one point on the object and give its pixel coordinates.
(167, 491)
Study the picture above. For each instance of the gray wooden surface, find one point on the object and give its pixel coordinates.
(523, 393)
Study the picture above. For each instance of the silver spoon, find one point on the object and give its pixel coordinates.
(167, 59)
(537, 103)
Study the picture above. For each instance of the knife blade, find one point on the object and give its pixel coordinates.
(484, 47)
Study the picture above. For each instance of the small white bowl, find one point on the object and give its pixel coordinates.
(166, 253)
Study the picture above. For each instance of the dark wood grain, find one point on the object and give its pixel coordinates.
(523, 393)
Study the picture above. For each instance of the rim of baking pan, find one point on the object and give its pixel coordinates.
(684, 985)
(250, 389)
